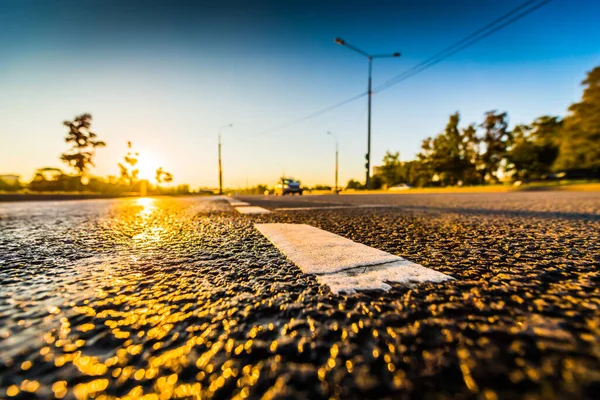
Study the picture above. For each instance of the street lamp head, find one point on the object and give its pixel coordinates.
(340, 41)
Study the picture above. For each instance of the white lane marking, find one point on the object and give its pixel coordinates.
(252, 210)
(312, 208)
(335, 207)
(238, 203)
(317, 251)
(345, 266)
(235, 202)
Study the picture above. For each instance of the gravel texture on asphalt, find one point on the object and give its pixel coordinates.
(182, 297)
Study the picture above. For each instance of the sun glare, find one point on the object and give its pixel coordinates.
(147, 165)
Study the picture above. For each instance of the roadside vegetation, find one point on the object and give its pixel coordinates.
(488, 153)
(79, 158)
(547, 152)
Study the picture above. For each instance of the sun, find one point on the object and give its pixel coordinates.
(147, 165)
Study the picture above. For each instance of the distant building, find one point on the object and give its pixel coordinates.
(10, 180)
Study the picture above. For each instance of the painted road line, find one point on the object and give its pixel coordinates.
(252, 210)
(238, 203)
(312, 208)
(345, 266)
(335, 207)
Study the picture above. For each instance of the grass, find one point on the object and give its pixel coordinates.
(574, 186)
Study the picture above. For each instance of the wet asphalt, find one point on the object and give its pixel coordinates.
(183, 298)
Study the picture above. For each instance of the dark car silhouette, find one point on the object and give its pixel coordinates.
(288, 186)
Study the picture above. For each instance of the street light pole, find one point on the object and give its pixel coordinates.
(370, 94)
(370, 91)
(220, 164)
(336, 161)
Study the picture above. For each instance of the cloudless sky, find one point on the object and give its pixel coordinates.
(167, 75)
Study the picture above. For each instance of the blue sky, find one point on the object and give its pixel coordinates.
(167, 75)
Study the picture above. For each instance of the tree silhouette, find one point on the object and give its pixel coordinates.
(128, 170)
(163, 176)
(496, 139)
(354, 184)
(580, 138)
(83, 143)
(534, 148)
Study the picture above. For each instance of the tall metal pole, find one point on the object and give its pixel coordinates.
(336, 160)
(368, 165)
(220, 163)
(370, 94)
(220, 168)
(336, 167)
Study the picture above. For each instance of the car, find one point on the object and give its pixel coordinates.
(288, 186)
(401, 186)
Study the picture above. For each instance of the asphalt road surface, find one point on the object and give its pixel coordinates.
(184, 298)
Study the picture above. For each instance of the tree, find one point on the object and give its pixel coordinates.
(390, 170)
(545, 135)
(470, 155)
(163, 176)
(52, 179)
(446, 155)
(496, 139)
(522, 153)
(84, 143)
(580, 136)
(533, 149)
(128, 171)
(450, 157)
(424, 168)
(377, 182)
(321, 187)
(409, 173)
(354, 184)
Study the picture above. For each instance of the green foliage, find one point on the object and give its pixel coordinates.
(354, 184)
(451, 158)
(534, 148)
(471, 159)
(128, 171)
(83, 143)
(376, 182)
(446, 154)
(522, 153)
(389, 172)
(496, 139)
(49, 179)
(9, 185)
(462, 157)
(258, 189)
(163, 176)
(321, 187)
(393, 171)
(580, 137)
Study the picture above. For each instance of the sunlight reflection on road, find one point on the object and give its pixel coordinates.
(150, 232)
(147, 204)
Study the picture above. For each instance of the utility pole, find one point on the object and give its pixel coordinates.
(370, 94)
(336, 161)
(220, 164)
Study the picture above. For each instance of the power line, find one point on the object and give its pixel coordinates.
(307, 117)
(458, 46)
(462, 44)
(461, 41)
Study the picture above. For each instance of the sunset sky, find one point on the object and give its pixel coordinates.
(167, 75)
